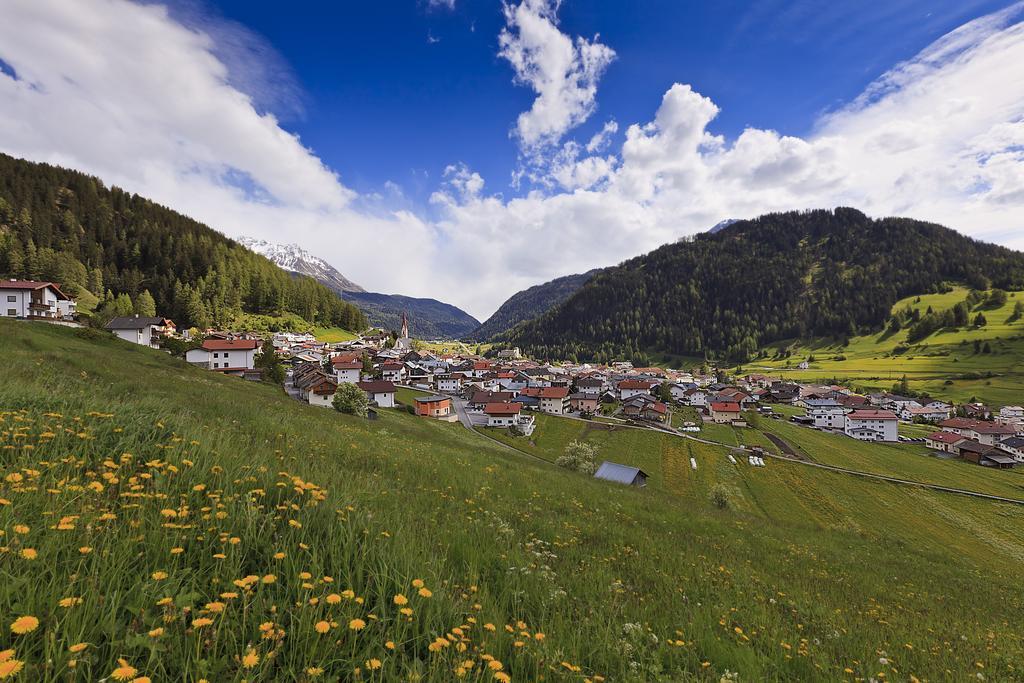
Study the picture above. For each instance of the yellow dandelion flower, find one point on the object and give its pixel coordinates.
(373, 664)
(10, 668)
(250, 659)
(495, 665)
(400, 599)
(269, 578)
(124, 671)
(25, 624)
(164, 601)
(21, 529)
(425, 593)
(70, 602)
(201, 622)
(502, 676)
(29, 553)
(85, 550)
(159, 575)
(142, 679)
(357, 624)
(314, 671)
(157, 632)
(538, 635)
(177, 551)
(322, 626)
(390, 645)
(6, 654)
(489, 627)
(333, 599)
(279, 556)
(417, 583)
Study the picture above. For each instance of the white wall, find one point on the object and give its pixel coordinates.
(14, 303)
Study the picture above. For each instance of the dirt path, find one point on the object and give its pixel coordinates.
(786, 449)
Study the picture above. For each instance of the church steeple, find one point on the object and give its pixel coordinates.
(405, 326)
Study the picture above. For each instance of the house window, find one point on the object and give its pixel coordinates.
(216, 355)
(12, 311)
(11, 298)
(225, 358)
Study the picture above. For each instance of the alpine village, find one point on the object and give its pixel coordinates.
(784, 447)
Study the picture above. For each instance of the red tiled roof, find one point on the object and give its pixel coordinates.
(945, 437)
(503, 408)
(657, 407)
(725, 407)
(636, 384)
(553, 392)
(31, 285)
(347, 365)
(230, 344)
(377, 387)
(872, 415)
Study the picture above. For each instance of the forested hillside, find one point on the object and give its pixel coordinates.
(529, 304)
(428, 318)
(106, 245)
(780, 276)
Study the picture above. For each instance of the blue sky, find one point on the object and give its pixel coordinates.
(398, 90)
(467, 149)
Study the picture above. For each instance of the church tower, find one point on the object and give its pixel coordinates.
(405, 326)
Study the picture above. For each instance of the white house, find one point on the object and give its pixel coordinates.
(347, 371)
(872, 425)
(143, 330)
(503, 415)
(225, 355)
(826, 413)
(1012, 412)
(924, 413)
(554, 400)
(394, 372)
(449, 384)
(321, 392)
(628, 388)
(380, 392)
(31, 299)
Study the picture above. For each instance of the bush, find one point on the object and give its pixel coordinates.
(579, 457)
(351, 400)
(720, 496)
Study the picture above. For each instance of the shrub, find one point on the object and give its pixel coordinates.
(579, 457)
(351, 400)
(720, 496)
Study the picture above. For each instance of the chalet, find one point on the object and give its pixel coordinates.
(872, 425)
(784, 393)
(986, 456)
(655, 411)
(628, 388)
(584, 403)
(991, 433)
(347, 371)
(826, 413)
(380, 392)
(143, 330)
(31, 299)
(507, 415)
(554, 400)
(978, 411)
(944, 442)
(621, 474)
(478, 400)
(231, 356)
(322, 391)
(1012, 412)
(696, 398)
(393, 372)
(433, 406)
(724, 412)
(924, 413)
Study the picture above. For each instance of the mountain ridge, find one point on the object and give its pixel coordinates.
(783, 275)
(530, 303)
(294, 258)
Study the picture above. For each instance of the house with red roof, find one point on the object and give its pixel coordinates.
(232, 356)
(380, 392)
(872, 425)
(724, 412)
(32, 299)
(554, 400)
(346, 371)
(944, 442)
(628, 388)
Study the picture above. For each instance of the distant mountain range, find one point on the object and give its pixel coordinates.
(428, 318)
(730, 291)
(529, 304)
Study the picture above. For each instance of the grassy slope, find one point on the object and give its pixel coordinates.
(809, 574)
(869, 362)
(333, 335)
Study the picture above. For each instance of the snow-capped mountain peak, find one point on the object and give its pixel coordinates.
(294, 258)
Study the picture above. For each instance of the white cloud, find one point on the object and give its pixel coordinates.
(563, 73)
(128, 93)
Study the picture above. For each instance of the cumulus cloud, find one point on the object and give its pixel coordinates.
(132, 94)
(564, 73)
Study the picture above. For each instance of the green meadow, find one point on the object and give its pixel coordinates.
(944, 364)
(165, 522)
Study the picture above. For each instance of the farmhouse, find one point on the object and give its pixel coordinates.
(393, 372)
(31, 299)
(590, 385)
(380, 392)
(621, 474)
(872, 425)
(322, 391)
(231, 356)
(944, 442)
(433, 406)
(722, 412)
(143, 330)
(554, 400)
(450, 384)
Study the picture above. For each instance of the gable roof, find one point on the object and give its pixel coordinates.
(136, 322)
(636, 384)
(865, 414)
(503, 408)
(621, 474)
(553, 392)
(945, 437)
(380, 386)
(33, 285)
(725, 407)
(230, 344)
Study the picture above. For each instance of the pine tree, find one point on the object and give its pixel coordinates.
(145, 305)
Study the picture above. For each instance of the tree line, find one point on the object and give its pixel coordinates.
(116, 249)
